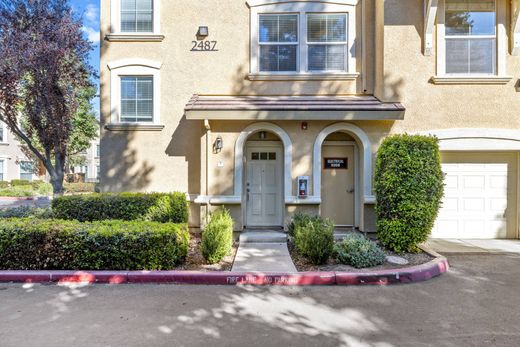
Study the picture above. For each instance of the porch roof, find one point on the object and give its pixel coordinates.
(292, 108)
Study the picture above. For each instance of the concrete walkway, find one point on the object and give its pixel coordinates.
(263, 251)
(444, 246)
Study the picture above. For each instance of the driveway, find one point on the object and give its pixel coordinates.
(475, 304)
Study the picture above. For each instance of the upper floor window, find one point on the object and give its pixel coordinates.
(135, 92)
(471, 38)
(136, 16)
(302, 39)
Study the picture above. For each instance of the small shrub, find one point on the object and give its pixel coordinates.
(16, 183)
(157, 207)
(359, 252)
(26, 212)
(298, 219)
(34, 244)
(314, 239)
(18, 192)
(36, 184)
(217, 237)
(4, 184)
(80, 187)
(45, 189)
(409, 188)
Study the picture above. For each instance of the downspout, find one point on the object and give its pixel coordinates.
(208, 150)
(363, 46)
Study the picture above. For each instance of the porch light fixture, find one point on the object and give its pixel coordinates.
(305, 126)
(262, 135)
(203, 31)
(218, 145)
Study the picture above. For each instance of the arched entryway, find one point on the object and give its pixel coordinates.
(342, 173)
(263, 160)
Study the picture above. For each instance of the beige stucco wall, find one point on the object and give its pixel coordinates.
(12, 154)
(175, 158)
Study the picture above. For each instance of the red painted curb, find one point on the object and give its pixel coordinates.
(411, 274)
(418, 273)
(11, 198)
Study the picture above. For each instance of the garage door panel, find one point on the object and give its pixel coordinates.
(475, 202)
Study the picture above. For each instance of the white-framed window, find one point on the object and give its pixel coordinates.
(131, 17)
(471, 38)
(135, 92)
(2, 169)
(303, 38)
(3, 132)
(26, 170)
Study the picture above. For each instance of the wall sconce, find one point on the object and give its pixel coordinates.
(203, 32)
(517, 86)
(262, 135)
(305, 126)
(218, 145)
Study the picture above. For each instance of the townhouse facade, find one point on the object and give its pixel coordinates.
(270, 107)
(14, 163)
(91, 166)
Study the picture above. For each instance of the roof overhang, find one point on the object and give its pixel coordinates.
(292, 108)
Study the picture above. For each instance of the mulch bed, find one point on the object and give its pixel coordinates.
(303, 264)
(195, 261)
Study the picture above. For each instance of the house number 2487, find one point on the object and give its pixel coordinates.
(204, 46)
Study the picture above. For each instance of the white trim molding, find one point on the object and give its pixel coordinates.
(239, 156)
(440, 80)
(301, 9)
(515, 27)
(115, 25)
(365, 148)
(430, 15)
(476, 139)
(134, 67)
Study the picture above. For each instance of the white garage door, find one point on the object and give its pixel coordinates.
(475, 202)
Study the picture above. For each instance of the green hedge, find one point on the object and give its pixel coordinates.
(314, 238)
(80, 187)
(217, 237)
(4, 184)
(34, 244)
(409, 188)
(157, 207)
(16, 183)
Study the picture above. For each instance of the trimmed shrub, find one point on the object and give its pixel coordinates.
(80, 187)
(4, 184)
(27, 212)
(217, 237)
(314, 238)
(409, 188)
(298, 219)
(157, 207)
(33, 244)
(359, 252)
(18, 192)
(16, 183)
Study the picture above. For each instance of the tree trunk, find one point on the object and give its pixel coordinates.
(58, 175)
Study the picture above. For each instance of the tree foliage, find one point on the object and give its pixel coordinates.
(44, 75)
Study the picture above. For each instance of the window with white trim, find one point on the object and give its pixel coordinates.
(2, 169)
(311, 38)
(136, 16)
(136, 99)
(135, 92)
(26, 170)
(471, 38)
(3, 132)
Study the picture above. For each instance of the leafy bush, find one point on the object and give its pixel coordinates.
(359, 252)
(18, 192)
(298, 219)
(80, 187)
(409, 188)
(45, 189)
(157, 207)
(4, 184)
(33, 244)
(16, 183)
(314, 238)
(217, 237)
(36, 184)
(27, 212)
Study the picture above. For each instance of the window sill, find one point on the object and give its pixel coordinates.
(4, 143)
(133, 127)
(303, 77)
(441, 80)
(134, 37)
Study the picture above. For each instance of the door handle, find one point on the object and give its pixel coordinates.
(248, 191)
(351, 191)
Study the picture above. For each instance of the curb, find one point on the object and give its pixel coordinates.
(10, 198)
(412, 274)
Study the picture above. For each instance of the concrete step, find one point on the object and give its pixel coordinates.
(263, 237)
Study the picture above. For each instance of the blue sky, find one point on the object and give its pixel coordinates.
(89, 10)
